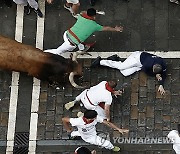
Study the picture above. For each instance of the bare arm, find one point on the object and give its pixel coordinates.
(49, 1)
(111, 125)
(66, 123)
(107, 111)
(115, 29)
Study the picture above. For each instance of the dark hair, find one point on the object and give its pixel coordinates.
(157, 68)
(112, 83)
(83, 150)
(178, 127)
(90, 114)
(91, 12)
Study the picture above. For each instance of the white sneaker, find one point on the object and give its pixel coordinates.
(174, 1)
(75, 15)
(116, 149)
(80, 114)
(68, 8)
(69, 105)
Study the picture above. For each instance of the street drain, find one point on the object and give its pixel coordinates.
(21, 143)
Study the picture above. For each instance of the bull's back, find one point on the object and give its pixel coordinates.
(16, 56)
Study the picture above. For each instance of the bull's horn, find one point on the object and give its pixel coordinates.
(71, 80)
(77, 53)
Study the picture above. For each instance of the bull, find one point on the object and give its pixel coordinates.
(15, 56)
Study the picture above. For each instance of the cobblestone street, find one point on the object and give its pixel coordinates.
(150, 25)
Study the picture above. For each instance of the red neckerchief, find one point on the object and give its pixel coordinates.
(84, 15)
(87, 122)
(109, 88)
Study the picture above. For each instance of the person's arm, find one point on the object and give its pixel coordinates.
(111, 125)
(161, 77)
(66, 123)
(115, 29)
(107, 111)
(49, 1)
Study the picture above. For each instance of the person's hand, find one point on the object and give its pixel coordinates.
(123, 131)
(49, 1)
(161, 90)
(119, 28)
(118, 93)
(108, 119)
(158, 76)
(93, 152)
(69, 130)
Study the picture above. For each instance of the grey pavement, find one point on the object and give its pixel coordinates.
(148, 25)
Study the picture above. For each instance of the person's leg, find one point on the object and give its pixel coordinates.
(66, 46)
(77, 99)
(132, 61)
(75, 133)
(96, 140)
(101, 112)
(110, 63)
(35, 6)
(130, 71)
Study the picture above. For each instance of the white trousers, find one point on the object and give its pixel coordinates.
(66, 46)
(83, 98)
(96, 140)
(32, 3)
(129, 66)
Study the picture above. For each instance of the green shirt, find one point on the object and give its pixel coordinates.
(83, 28)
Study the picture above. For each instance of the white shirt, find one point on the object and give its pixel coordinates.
(175, 138)
(86, 130)
(99, 93)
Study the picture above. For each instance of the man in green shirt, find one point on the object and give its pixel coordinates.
(82, 29)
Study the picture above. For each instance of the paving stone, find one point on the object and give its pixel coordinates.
(42, 119)
(50, 125)
(142, 104)
(134, 112)
(43, 96)
(134, 98)
(57, 132)
(41, 132)
(135, 85)
(49, 135)
(149, 124)
(149, 111)
(42, 107)
(143, 91)
(158, 116)
(58, 118)
(142, 79)
(141, 119)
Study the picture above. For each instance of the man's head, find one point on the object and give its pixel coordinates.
(90, 114)
(112, 83)
(178, 126)
(91, 12)
(157, 68)
(84, 150)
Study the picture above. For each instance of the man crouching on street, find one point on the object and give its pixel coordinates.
(87, 130)
(98, 98)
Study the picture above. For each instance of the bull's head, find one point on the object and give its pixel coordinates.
(77, 70)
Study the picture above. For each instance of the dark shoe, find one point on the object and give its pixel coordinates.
(74, 137)
(114, 58)
(96, 62)
(38, 12)
(27, 10)
(92, 2)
